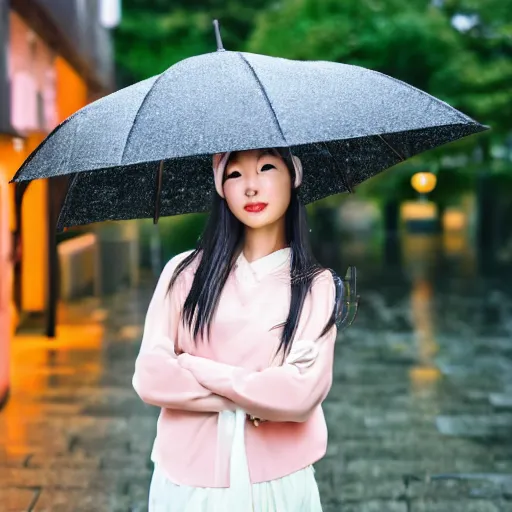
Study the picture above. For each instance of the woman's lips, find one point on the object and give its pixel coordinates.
(255, 207)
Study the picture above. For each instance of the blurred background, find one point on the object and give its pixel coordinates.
(420, 413)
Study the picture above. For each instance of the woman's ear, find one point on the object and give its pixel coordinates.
(217, 157)
(219, 162)
(297, 164)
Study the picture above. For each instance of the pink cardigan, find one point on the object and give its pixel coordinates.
(236, 368)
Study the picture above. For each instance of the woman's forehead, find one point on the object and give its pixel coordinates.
(235, 156)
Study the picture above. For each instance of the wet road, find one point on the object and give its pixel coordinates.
(419, 415)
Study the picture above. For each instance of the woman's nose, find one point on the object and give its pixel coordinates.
(251, 185)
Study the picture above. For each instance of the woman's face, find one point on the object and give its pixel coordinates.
(257, 187)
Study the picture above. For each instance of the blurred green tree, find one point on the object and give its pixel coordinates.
(485, 29)
(155, 34)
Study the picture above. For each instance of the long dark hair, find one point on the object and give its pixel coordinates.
(218, 247)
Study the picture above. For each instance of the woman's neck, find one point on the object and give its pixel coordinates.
(263, 241)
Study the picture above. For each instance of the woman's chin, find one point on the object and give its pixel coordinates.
(258, 220)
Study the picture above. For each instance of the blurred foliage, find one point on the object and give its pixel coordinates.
(180, 234)
(154, 34)
(460, 51)
(176, 234)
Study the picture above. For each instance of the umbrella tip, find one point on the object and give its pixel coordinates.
(220, 48)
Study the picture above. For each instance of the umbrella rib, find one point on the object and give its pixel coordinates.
(260, 85)
(15, 178)
(142, 103)
(65, 205)
(344, 178)
(402, 158)
(466, 119)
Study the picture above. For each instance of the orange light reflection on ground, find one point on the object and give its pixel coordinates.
(47, 373)
(424, 375)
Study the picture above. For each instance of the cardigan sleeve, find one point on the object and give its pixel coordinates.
(289, 392)
(158, 378)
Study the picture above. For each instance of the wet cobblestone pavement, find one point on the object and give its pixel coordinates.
(419, 415)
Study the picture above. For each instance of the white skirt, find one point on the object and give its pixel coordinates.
(297, 492)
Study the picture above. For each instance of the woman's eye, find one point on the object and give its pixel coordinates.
(234, 174)
(266, 167)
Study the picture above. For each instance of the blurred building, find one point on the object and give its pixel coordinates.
(55, 57)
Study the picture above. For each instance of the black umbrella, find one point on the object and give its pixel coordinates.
(146, 150)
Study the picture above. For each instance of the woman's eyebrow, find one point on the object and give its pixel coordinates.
(271, 152)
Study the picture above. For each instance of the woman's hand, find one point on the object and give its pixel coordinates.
(255, 421)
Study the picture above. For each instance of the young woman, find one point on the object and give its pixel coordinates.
(238, 350)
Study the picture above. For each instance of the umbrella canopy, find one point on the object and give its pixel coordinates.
(155, 139)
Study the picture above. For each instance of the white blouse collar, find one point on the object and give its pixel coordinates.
(262, 266)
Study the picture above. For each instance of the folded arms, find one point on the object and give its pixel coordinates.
(289, 392)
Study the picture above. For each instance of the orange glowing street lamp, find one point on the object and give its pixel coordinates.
(424, 182)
